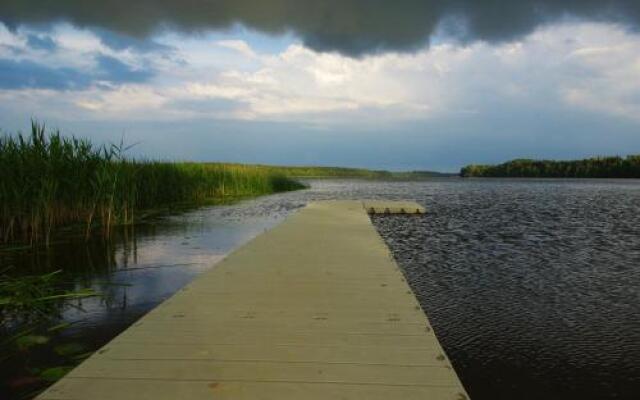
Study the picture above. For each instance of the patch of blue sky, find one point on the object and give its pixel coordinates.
(265, 43)
(114, 70)
(25, 74)
(41, 42)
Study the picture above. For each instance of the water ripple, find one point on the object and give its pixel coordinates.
(533, 287)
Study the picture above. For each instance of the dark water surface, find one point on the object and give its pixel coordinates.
(533, 286)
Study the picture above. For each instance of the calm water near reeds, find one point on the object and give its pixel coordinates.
(533, 286)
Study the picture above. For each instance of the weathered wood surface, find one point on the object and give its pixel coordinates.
(316, 308)
(392, 207)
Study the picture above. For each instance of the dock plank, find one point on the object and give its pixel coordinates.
(316, 308)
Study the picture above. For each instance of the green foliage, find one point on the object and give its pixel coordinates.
(55, 373)
(29, 304)
(27, 341)
(69, 349)
(330, 172)
(598, 167)
(33, 296)
(50, 181)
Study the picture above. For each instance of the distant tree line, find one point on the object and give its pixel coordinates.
(597, 167)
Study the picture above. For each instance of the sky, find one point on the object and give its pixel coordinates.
(402, 85)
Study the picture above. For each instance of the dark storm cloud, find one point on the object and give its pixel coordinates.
(119, 41)
(349, 26)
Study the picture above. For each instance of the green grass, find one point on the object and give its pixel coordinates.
(359, 173)
(50, 181)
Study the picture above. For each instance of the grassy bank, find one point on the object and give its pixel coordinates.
(358, 173)
(598, 167)
(50, 181)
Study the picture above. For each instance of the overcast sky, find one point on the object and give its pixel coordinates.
(379, 84)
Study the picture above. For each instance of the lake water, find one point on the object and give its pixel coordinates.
(532, 286)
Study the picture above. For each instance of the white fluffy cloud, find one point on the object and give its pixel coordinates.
(586, 66)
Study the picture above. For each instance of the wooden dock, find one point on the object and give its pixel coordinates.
(315, 308)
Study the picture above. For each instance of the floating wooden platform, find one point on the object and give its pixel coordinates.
(316, 308)
(392, 207)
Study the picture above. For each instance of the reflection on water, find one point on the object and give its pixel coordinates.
(531, 285)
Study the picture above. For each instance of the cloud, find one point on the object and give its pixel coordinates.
(584, 62)
(353, 27)
(588, 66)
(238, 45)
(73, 60)
(125, 102)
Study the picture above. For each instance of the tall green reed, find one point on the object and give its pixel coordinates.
(49, 181)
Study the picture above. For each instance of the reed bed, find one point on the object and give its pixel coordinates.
(49, 181)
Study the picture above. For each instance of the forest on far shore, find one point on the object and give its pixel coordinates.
(596, 167)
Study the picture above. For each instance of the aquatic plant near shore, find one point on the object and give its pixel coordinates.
(49, 181)
(30, 309)
(26, 299)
